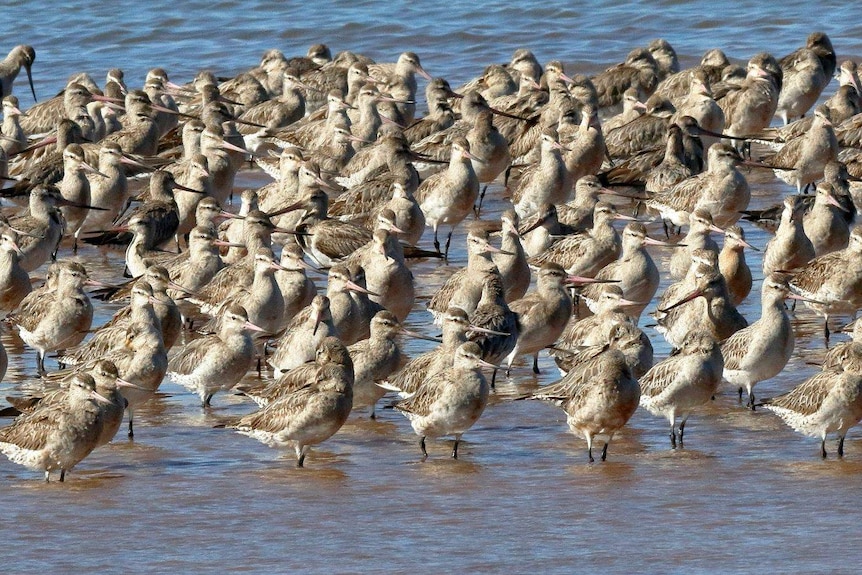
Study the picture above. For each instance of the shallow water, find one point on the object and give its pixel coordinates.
(746, 494)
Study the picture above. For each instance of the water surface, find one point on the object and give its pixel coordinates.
(745, 495)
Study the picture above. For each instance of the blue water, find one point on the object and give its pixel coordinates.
(747, 495)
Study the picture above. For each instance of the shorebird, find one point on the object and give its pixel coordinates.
(399, 80)
(511, 260)
(305, 417)
(639, 69)
(58, 319)
(303, 336)
(828, 401)
(297, 289)
(19, 56)
(387, 274)
(110, 190)
(676, 85)
(138, 315)
(645, 131)
(635, 271)
(463, 289)
(586, 254)
(732, 264)
(716, 315)
(262, 300)
(14, 280)
(806, 72)
(542, 315)
(216, 362)
(376, 358)
(499, 322)
(722, 190)
(825, 224)
(599, 395)
(325, 239)
(450, 402)
(681, 383)
(14, 139)
(761, 350)
(547, 182)
(833, 282)
(847, 355)
(801, 161)
(58, 435)
(448, 197)
(632, 108)
(749, 107)
(790, 248)
(407, 380)
(700, 226)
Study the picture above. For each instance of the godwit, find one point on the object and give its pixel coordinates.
(676, 86)
(722, 190)
(139, 315)
(499, 322)
(761, 350)
(732, 264)
(216, 362)
(801, 160)
(828, 401)
(716, 315)
(547, 182)
(297, 289)
(639, 69)
(324, 239)
(75, 188)
(599, 395)
(387, 274)
(330, 352)
(635, 270)
(14, 139)
(511, 260)
(282, 111)
(586, 150)
(681, 383)
(586, 254)
(790, 248)
(700, 226)
(463, 289)
(542, 315)
(644, 132)
(407, 216)
(700, 105)
(749, 107)
(847, 355)
(376, 358)
(110, 190)
(61, 318)
(407, 380)
(262, 300)
(451, 401)
(14, 280)
(58, 435)
(632, 108)
(665, 57)
(448, 197)
(825, 224)
(806, 72)
(305, 417)
(21, 55)
(833, 281)
(303, 336)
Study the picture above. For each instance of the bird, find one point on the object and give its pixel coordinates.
(681, 383)
(59, 435)
(21, 55)
(451, 401)
(216, 362)
(306, 417)
(828, 401)
(599, 395)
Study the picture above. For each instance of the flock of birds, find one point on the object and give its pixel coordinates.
(357, 178)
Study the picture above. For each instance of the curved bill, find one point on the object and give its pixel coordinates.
(30, 79)
(359, 289)
(177, 186)
(128, 384)
(651, 242)
(418, 335)
(484, 330)
(100, 398)
(686, 299)
(252, 327)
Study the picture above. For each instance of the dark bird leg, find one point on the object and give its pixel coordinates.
(422, 447)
